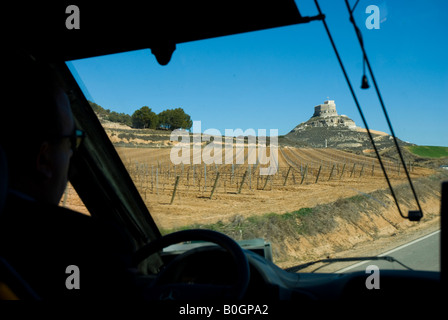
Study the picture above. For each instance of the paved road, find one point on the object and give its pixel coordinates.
(420, 254)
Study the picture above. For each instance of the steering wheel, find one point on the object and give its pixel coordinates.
(161, 289)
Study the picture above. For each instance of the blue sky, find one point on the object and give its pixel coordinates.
(272, 79)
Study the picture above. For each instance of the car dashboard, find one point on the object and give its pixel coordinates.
(212, 265)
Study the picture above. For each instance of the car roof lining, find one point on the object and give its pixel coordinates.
(113, 27)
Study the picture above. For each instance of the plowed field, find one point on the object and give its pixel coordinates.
(305, 178)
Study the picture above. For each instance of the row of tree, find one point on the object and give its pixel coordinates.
(144, 117)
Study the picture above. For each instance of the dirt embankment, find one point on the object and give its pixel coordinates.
(360, 226)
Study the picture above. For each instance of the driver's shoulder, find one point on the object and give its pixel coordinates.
(26, 221)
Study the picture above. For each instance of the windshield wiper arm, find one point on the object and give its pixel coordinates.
(413, 215)
(328, 261)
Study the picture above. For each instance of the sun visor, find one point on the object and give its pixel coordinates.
(70, 30)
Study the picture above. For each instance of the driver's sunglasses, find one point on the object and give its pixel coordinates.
(76, 139)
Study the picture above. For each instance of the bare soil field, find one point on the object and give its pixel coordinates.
(341, 175)
(259, 194)
(348, 191)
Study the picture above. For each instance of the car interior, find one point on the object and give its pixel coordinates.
(217, 268)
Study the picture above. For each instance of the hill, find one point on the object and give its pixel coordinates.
(327, 129)
(340, 138)
(429, 151)
(429, 157)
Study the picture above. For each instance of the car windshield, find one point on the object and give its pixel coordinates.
(257, 135)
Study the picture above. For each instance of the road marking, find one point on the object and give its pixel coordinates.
(389, 252)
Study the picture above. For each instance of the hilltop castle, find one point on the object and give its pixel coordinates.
(327, 109)
(327, 129)
(325, 115)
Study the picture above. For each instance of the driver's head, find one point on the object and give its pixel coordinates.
(35, 124)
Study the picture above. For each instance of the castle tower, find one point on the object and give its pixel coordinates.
(327, 109)
(325, 115)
